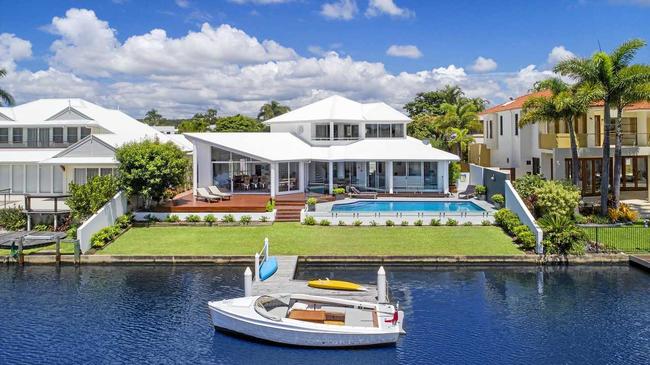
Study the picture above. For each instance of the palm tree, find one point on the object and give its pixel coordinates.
(271, 110)
(5, 97)
(152, 117)
(461, 115)
(600, 73)
(633, 86)
(460, 138)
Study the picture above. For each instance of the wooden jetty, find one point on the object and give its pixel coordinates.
(642, 261)
(283, 281)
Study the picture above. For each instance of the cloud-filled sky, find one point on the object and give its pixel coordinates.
(183, 56)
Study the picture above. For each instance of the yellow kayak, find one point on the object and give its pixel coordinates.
(335, 285)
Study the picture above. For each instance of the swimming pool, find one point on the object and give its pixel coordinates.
(408, 206)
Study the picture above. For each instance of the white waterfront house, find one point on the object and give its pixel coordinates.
(48, 143)
(335, 142)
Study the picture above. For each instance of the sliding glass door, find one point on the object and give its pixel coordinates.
(288, 177)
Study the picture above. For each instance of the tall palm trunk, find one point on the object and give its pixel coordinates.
(604, 174)
(574, 153)
(618, 160)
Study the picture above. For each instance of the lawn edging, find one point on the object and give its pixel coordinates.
(534, 260)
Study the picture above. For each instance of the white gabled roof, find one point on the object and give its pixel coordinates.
(275, 147)
(69, 160)
(338, 108)
(27, 155)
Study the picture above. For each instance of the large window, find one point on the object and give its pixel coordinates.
(346, 131)
(83, 174)
(85, 132)
(289, 176)
(73, 134)
(4, 135)
(232, 172)
(516, 124)
(322, 131)
(17, 135)
(501, 125)
(57, 135)
(377, 130)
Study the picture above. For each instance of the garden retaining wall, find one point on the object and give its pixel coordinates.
(515, 204)
(104, 217)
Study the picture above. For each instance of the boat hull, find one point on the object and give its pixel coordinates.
(285, 334)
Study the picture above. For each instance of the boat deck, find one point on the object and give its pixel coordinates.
(283, 281)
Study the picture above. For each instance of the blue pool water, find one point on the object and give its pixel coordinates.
(407, 206)
(158, 315)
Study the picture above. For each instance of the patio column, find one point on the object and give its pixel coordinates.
(273, 179)
(445, 176)
(389, 176)
(195, 169)
(330, 176)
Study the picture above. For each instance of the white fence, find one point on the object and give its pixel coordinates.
(380, 218)
(103, 218)
(515, 204)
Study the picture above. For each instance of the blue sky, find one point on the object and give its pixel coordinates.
(365, 49)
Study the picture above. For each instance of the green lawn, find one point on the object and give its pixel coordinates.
(632, 239)
(296, 239)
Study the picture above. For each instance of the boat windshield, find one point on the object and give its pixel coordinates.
(272, 307)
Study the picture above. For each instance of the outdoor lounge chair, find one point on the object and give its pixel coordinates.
(203, 194)
(215, 191)
(356, 193)
(469, 192)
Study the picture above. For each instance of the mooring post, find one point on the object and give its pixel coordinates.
(58, 250)
(77, 252)
(248, 282)
(257, 266)
(21, 256)
(381, 285)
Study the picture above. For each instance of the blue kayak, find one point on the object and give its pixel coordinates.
(268, 268)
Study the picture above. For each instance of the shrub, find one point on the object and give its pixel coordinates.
(435, 222)
(451, 222)
(357, 223)
(71, 233)
(561, 235)
(85, 200)
(506, 219)
(520, 229)
(622, 214)
(486, 222)
(324, 222)
(309, 220)
(498, 199)
(228, 218)
(192, 218)
(390, 223)
(404, 223)
(210, 219)
(373, 223)
(468, 223)
(245, 219)
(41, 227)
(264, 219)
(148, 168)
(555, 197)
(173, 218)
(337, 191)
(270, 205)
(104, 236)
(13, 219)
(526, 240)
(480, 189)
(418, 223)
(342, 223)
(527, 184)
(124, 221)
(454, 172)
(312, 201)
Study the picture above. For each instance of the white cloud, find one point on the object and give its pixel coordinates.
(218, 66)
(183, 3)
(482, 64)
(559, 53)
(407, 51)
(340, 9)
(260, 2)
(379, 7)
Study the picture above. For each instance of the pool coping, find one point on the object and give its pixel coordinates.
(326, 207)
(529, 260)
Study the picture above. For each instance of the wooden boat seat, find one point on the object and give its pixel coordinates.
(308, 315)
(335, 323)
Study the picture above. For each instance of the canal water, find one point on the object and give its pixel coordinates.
(495, 315)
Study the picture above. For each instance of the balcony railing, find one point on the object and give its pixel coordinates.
(562, 140)
(35, 144)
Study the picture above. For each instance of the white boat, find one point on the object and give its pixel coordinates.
(308, 320)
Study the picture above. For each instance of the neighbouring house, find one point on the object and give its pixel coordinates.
(544, 147)
(166, 129)
(334, 142)
(48, 143)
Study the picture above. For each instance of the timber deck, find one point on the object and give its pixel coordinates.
(283, 281)
(642, 261)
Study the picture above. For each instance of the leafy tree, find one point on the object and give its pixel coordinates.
(238, 123)
(566, 103)
(148, 168)
(602, 73)
(430, 102)
(272, 110)
(153, 118)
(193, 125)
(5, 97)
(423, 126)
(86, 199)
